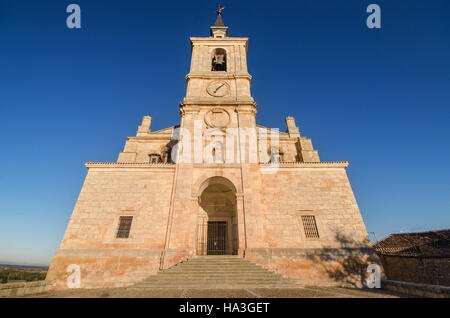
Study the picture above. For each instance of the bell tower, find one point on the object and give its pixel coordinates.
(218, 84)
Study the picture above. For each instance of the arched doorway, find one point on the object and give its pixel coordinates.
(217, 218)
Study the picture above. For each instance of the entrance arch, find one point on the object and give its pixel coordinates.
(217, 232)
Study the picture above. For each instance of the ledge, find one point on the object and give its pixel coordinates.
(336, 164)
(25, 288)
(220, 101)
(128, 165)
(152, 136)
(416, 289)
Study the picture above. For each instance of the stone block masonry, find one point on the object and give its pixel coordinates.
(274, 203)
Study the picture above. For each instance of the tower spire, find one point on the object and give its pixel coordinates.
(219, 21)
(219, 30)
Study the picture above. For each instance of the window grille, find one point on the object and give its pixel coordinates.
(155, 158)
(124, 227)
(310, 226)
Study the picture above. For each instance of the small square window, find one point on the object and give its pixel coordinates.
(124, 227)
(310, 226)
(155, 158)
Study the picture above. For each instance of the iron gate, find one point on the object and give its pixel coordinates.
(217, 238)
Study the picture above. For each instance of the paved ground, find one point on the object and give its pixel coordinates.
(307, 291)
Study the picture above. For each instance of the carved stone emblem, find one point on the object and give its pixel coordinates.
(217, 118)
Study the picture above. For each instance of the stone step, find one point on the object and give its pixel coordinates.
(203, 286)
(215, 264)
(213, 268)
(171, 279)
(218, 257)
(187, 265)
(212, 286)
(215, 283)
(218, 279)
(225, 260)
(202, 283)
(236, 260)
(210, 275)
(216, 272)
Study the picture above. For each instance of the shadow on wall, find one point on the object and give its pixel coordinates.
(347, 264)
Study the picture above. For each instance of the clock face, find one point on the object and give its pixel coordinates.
(218, 88)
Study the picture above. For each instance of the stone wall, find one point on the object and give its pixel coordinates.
(107, 194)
(110, 268)
(269, 209)
(341, 253)
(90, 239)
(324, 193)
(424, 270)
(336, 266)
(23, 289)
(416, 290)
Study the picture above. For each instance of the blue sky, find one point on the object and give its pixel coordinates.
(377, 98)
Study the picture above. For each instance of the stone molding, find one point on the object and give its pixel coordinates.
(337, 164)
(219, 101)
(197, 41)
(150, 137)
(25, 288)
(128, 165)
(214, 75)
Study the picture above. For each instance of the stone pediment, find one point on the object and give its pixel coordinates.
(268, 130)
(165, 133)
(168, 130)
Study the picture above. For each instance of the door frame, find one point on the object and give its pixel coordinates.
(229, 221)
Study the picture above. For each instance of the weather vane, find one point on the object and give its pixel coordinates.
(219, 9)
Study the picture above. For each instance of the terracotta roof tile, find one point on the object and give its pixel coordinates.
(423, 244)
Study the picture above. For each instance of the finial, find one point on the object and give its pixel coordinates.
(219, 30)
(219, 21)
(219, 9)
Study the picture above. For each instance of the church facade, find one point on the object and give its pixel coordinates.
(216, 184)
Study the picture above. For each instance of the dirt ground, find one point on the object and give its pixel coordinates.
(301, 292)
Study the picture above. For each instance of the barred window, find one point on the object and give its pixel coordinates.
(155, 158)
(310, 226)
(124, 227)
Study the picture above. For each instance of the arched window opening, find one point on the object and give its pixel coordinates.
(219, 60)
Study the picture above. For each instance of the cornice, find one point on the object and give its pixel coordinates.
(218, 101)
(213, 41)
(246, 109)
(216, 75)
(90, 165)
(335, 164)
(281, 165)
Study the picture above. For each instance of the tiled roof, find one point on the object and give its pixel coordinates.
(420, 244)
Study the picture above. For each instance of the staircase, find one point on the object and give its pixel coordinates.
(215, 272)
